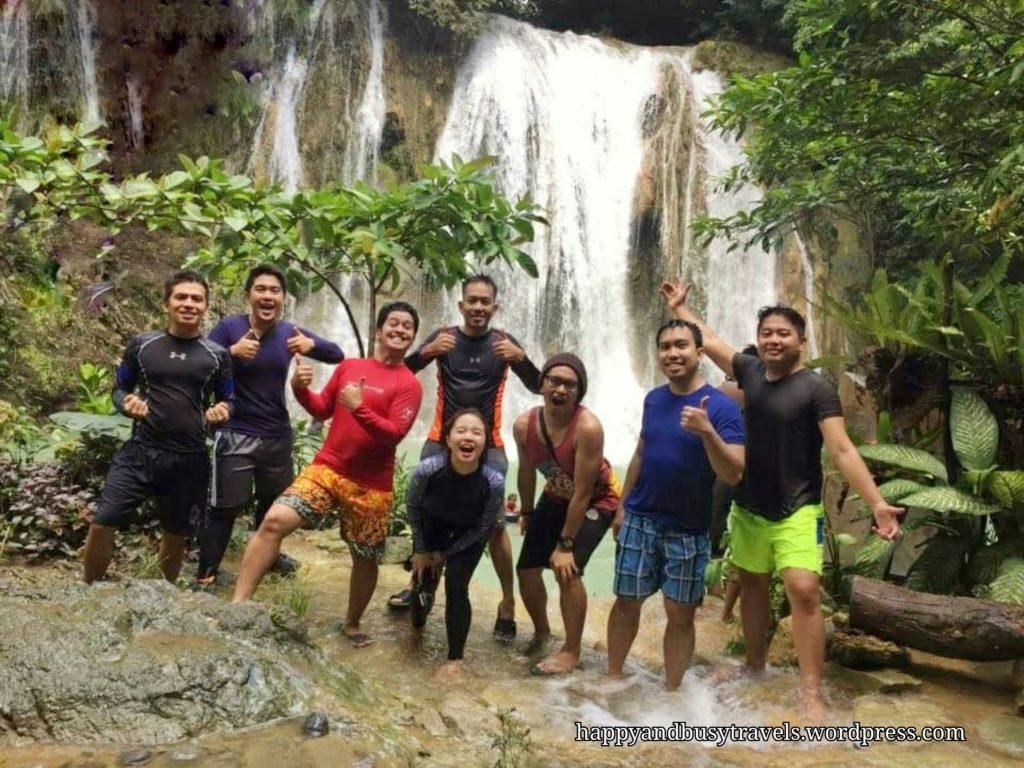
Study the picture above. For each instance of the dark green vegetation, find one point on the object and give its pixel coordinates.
(904, 118)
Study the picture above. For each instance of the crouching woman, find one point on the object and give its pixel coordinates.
(453, 502)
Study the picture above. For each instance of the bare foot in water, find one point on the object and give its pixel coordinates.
(812, 705)
(730, 673)
(561, 663)
(448, 672)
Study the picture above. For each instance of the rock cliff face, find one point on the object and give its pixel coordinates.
(140, 662)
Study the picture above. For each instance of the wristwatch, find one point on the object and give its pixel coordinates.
(566, 543)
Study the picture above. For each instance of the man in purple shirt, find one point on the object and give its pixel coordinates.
(255, 446)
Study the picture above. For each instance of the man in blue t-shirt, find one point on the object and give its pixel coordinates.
(691, 433)
(254, 449)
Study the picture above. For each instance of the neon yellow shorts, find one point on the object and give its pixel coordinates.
(767, 546)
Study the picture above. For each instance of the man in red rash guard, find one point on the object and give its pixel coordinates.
(372, 404)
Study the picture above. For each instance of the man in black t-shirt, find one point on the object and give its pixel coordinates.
(473, 361)
(162, 383)
(776, 523)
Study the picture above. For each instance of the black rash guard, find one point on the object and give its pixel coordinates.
(473, 376)
(783, 471)
(173, 375)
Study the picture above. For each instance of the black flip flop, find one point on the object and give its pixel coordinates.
(504, 630)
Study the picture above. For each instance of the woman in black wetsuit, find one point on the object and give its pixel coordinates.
(453, 501)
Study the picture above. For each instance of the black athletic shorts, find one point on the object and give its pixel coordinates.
(178, 482)
(545, 527)
(242, 461)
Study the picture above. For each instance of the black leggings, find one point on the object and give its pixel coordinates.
(215, 535)
(458, 613)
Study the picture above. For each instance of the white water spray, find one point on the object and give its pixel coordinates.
(85, 17)
(564, 115)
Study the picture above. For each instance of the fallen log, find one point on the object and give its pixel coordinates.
(955, 627)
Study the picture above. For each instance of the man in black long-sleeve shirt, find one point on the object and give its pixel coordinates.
(162, 383)
(473, 361)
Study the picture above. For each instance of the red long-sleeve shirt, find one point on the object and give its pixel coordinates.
(361, 444)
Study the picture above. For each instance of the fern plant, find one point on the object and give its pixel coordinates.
(979, 519)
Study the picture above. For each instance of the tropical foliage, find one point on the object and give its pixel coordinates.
(900, 115)
(977, 521)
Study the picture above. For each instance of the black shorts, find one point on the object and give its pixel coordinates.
(545, 528)
(242, 461)
(177, 481)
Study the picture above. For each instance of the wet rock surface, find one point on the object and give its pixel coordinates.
(139, 662)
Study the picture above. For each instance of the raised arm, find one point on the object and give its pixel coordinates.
(721, 353)
(223, 389)
(323, 350)
(319, 405)
(391, 428)
(431, 347)
(522, 366)
(722, 436)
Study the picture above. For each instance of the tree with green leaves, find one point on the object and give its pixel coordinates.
(428, 228)
(903, 116)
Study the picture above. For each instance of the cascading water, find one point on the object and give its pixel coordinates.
(14, 53)
(569, 118)
(70, 88)
(363, 145)
(278, 127)
(85, 16)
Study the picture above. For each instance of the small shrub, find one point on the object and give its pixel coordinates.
(93, 389)
(514, 745)
(399, 518)
(44, 512)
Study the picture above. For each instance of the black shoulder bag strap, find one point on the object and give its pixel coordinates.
(547, 439)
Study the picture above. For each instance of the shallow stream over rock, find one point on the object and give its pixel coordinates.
(384, 705)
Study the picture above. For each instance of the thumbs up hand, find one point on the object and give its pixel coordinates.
(247, 347)
(303, 375)
(300, 343)
(352, 395)
(696, 420)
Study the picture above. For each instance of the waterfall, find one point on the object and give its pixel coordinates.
(22, 79)
(363, 145)
(14, 53)
(282, 138)
(738, 282)
(85, 17)
(279, 120)
(570, 119)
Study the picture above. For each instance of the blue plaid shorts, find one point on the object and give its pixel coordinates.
(649, 557)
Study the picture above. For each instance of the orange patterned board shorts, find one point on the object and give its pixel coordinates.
(319, 493)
